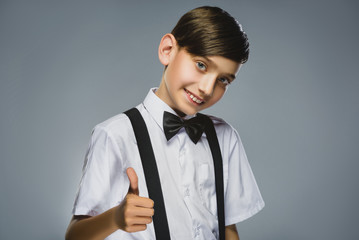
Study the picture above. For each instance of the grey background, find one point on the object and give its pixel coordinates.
(67, 65)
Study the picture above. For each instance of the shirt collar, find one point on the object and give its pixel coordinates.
(155, 107)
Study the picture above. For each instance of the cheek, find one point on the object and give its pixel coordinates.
(217, 94)
(184, 73)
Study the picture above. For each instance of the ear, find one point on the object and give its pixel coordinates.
(167, 48)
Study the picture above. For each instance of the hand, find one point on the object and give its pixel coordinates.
(134, 212)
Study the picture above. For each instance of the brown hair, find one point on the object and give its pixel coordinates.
(211, 31)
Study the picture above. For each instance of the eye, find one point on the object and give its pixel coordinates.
(201, 66)
(224, 81)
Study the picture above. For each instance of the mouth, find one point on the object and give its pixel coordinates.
(194, 98)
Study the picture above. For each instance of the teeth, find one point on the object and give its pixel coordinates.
(194, 98)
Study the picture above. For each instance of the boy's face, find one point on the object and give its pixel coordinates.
(192, 83)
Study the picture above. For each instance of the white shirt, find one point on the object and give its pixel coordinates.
(186, 173)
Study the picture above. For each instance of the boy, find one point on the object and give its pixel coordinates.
(202, 56)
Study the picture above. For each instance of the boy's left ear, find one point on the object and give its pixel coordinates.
(166, 48)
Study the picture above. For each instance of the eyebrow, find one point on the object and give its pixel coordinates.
(213, 63)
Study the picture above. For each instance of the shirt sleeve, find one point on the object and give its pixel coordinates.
(94, 191)
(242, 197)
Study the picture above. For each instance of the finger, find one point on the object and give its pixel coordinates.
(138, 221)
(141, 212)
(138, 201)
(132, 176)
(136, 228)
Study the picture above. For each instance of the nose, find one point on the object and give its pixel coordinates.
(206, 85)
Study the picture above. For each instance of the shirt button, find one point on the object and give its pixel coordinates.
(186, 192)
(183, 151)
(196, 232)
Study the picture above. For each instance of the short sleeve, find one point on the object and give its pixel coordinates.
(94, 191)
(242, 196)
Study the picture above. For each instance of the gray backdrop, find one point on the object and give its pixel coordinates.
(67, 65)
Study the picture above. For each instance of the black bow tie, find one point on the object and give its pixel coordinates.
(172, 124)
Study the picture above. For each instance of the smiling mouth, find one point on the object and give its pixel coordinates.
(194, 98)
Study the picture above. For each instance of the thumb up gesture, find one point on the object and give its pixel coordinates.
(134, 212)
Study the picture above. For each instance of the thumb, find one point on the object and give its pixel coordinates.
(132, 176)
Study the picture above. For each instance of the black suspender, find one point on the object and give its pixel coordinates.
(151, 173)
(218, 172)
(153, 180)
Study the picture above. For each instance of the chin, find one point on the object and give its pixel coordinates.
(184, 112)
(192, 112)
